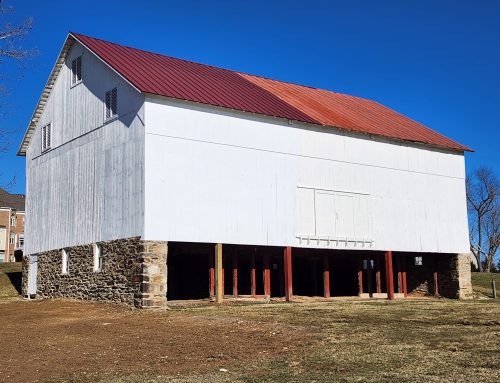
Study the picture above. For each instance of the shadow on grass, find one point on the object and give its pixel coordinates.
(16, 278)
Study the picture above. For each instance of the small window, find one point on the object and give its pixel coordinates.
(97, 257)
(12, 239)
(111, 103)
(418, 261)
(46, 137)
(21, 240)
(65, 261)
(13, 220)
(76, 70)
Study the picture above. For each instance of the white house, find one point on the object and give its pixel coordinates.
(141, 167)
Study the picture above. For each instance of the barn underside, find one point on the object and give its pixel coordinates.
(149, 274)
(259, 272)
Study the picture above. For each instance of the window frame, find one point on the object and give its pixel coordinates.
(419, 260)
(108, 104)
(13, 220)
(46, 138)
(12, 239)
(75, 70)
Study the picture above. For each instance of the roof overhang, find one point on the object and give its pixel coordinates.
(40, 106)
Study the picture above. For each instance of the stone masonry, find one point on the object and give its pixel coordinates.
(133, 272)
(454, 275)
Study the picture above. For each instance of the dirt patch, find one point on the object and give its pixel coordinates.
(61, 340)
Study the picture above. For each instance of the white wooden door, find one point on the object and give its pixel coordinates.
(32, 272)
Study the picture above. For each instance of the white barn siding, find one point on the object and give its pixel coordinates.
(89, 187)
(213, 175)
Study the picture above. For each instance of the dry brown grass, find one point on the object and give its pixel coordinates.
(416, 340)
(346, 341)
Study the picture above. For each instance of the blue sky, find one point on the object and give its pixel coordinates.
(435, 61)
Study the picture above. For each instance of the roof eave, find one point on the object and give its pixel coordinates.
(42, 101)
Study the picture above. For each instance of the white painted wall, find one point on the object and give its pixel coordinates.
(213, 175)
(89, 187)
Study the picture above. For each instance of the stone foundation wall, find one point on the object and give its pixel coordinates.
(133, 272)
(454, 275)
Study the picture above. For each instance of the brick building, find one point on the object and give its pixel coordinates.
(11, 226)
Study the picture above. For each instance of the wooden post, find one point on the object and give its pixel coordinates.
(436, 283)
(405, 285)
(287, 255)
(494, 287)
(389, 276)
(267, 276)
(326, 276)
(219, 283)
(369, 276)
(235, 275)
(378, 279)
(436, 279)
(360, 277)
(253, 287)
(211, 275)
(400, 275)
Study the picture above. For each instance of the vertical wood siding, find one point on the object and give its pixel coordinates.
(88, 187)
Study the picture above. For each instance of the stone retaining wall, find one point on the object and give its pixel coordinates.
(133, 272)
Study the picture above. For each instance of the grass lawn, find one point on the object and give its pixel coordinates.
(10, 281)
(481, 283)
(415, 340)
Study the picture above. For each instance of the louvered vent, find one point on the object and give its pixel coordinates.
(111, 103)
(46, 137)
(76, 70)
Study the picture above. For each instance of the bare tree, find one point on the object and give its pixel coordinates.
(483, 204)
(10, 50)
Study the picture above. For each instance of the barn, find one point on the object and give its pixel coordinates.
(153, 179)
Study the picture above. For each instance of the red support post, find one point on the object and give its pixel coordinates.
(211, 275)
(360, 277)
(235, 275)
(253, 287)
(287, 255)
(378, 279)
(389, 276)
(267, 276)
(326, 276)
(405, 286)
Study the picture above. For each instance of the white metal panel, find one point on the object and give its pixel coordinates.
(89, 187)
(213, 175)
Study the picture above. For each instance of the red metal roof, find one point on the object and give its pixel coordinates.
(171, 77)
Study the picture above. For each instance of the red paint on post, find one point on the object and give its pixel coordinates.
(211, 275)
(235, 275)
(326, 276)
(389, 276)
(253, 277)
(267, 276)
(287, 255)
